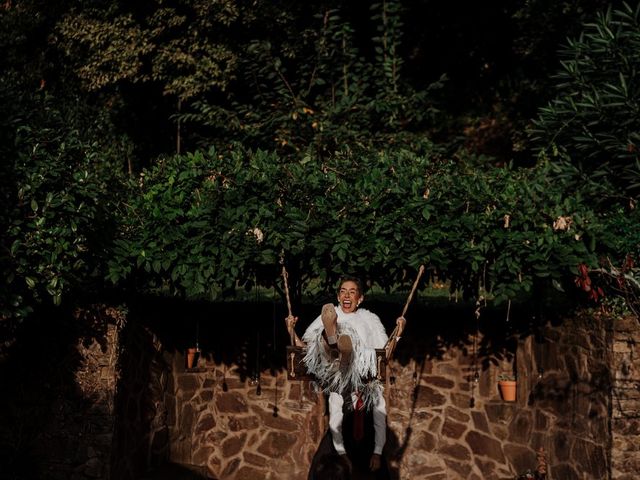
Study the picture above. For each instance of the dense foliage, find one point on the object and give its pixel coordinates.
(316, 88)
(61, 206)
(175, 44)
(309, 144)
(203, 222)
(593, 123)
(309, 81)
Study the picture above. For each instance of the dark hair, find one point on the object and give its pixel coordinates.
(355, 280)
(332, 467)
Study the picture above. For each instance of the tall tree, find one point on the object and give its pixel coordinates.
(322, 85)
(179, 46)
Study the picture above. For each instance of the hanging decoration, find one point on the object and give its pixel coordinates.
(274, 340)
(475, 370)
(225, 387)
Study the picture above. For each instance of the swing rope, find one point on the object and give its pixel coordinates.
(285, 277)
(394, 338)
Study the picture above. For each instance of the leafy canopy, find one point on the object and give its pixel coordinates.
(176, 44)
(318, 87)
(203, 223)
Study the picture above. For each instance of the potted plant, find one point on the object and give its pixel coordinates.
(507, 384)
(193, 353)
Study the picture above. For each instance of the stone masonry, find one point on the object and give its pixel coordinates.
(57, 403)
(116, 402)
(626, 399)
(141, 438)
(445, 422)
(222, 425)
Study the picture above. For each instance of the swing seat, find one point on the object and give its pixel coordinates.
(296, 369)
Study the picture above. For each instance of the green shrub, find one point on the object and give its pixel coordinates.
(61, 195)
(203, 223)
(594, 122)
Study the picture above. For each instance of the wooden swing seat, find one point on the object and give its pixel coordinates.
(296, 369)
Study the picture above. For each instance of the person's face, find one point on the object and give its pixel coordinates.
(349, 297)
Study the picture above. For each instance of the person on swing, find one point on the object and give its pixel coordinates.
(341, 353)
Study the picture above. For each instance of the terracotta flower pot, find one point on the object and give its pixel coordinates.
(192, 357)
(508, 390)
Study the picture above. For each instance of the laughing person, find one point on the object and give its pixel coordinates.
(341, 353)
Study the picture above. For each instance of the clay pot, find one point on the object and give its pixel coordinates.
(192, 357)
(508, 390)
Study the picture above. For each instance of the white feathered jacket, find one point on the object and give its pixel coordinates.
(367, 333)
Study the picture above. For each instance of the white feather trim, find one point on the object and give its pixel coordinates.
(367, 333)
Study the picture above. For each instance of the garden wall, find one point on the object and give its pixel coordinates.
(58, 395)
(141, 440)
(625, 410)
(443, 423)
(63, 417)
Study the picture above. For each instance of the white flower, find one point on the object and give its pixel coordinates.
(562, 223)
(256, 232)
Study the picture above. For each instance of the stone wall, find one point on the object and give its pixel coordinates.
(233, 429)
(57, 403)
(141, 437)
(445, 421)
(626, 399)
(88, 431)
(63, 417)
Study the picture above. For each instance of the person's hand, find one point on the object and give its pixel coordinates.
(291, 323)
(400, 323)
(375, 462)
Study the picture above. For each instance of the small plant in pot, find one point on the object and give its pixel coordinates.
(507, 384)
(193, 353)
